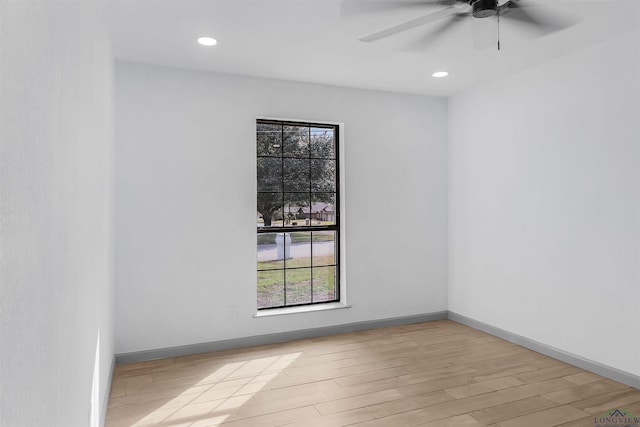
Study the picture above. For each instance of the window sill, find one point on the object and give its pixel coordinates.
(301, 309)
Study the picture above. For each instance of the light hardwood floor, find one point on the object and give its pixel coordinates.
(428, 374)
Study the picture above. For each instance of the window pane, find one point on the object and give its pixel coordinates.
(269, 174)
(296, 141)
(300, 250)
(270, 256)
(269, 208)
(270, 288)
(324, 248)
(322, 143)
(324, 284)
(296, 174)
(323, 175)
(298, 286)
(323, 208)
(296, 208)
(269, 140)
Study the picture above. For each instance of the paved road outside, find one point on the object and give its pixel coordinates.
(298, 250)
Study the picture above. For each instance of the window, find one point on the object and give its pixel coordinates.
(298, 213)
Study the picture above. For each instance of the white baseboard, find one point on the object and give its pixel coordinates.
(184, 350)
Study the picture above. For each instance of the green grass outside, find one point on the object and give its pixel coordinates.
(271, 289)
(274, 274)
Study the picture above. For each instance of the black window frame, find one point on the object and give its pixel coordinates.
(306, 228)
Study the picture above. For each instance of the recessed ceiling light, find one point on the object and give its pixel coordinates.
(207, 41)
(439, 74)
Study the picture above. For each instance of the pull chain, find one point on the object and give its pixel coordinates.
(498, 29)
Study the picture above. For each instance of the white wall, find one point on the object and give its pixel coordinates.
(544, 204)
(55, 216)
(185, 203)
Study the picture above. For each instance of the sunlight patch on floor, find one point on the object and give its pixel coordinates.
(219, 393)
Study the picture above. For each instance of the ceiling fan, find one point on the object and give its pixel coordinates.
(454, 11)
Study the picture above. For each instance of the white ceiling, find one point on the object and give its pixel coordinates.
(312, 41)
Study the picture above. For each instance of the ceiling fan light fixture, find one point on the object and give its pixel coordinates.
(440, 74)
(484, 8)
(207, 41)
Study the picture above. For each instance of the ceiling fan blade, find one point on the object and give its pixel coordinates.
(407, 25)
(425, 41)
(353, 7)
(542, 22)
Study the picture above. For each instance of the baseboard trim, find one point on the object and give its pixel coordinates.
(184, 350)
(162, 353)
(107, 394)
(564, 356)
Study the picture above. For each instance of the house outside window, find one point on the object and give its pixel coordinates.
(298, 215)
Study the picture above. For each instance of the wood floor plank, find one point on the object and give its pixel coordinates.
(372, 376)
(510, 360)
(604, 402)
(434, 374)
(491, 374)
(144, 409)
(546, 417)
(155, 395)
(405, 419)
(186, 382)
(345, 418)
(276, 419)
(439, 384)
(149, 418)
(359, 401)
(514, 409)
(582, 392)
(252, 408)
(458, 421)
(368, 387)
(463, 391)
(584, 378)
(328, 387)
(407, 404)
(487, 400)
(547, 373)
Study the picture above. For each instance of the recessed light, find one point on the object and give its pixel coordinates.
(439, 74)
(207, 41)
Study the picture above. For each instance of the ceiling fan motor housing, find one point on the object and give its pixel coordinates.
(484, 8)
